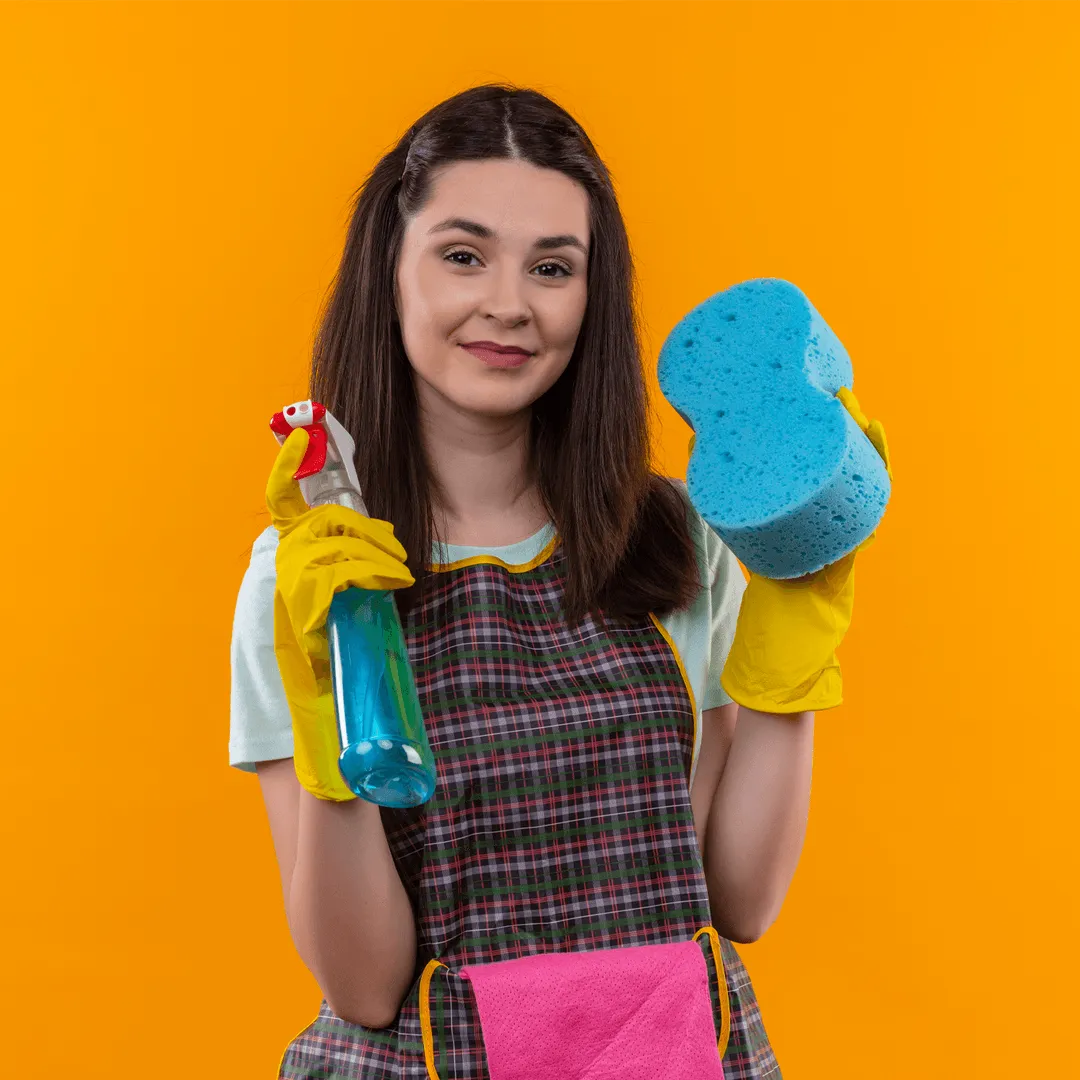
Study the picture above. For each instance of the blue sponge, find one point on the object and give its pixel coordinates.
(780, 469)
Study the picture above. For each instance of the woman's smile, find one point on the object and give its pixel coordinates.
(497, 359)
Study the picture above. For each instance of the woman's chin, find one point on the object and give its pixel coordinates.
(478, 397)
(493, 406)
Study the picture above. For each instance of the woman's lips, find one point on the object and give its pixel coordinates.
(497, 359)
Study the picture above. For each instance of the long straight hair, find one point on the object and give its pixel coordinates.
(624, 529)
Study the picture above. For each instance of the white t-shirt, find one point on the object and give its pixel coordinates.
(260, 722)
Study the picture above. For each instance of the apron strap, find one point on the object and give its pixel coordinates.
(429, 970)
(721, 981)
(425, 1016)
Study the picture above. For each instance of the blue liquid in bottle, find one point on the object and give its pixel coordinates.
(387, 759)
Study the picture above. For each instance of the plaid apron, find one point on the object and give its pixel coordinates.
(561, 820)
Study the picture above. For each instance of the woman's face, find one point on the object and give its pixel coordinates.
(506, 286)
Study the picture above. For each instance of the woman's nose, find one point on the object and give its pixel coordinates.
(505, 298)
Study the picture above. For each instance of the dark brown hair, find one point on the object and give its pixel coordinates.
(624, 529)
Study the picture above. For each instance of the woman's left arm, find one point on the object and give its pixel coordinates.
(757, 817)
(781, 669)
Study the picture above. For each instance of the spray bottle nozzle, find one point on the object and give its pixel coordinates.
(308, 415)
(327, 473)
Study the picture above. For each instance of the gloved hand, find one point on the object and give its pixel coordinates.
(321, 551)
(783, 656)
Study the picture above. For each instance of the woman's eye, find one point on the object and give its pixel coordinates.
(566, 270)
(453, 255)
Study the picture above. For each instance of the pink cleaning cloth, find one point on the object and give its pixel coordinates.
(640, 1012)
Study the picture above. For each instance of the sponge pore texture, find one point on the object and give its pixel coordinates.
(780, 469)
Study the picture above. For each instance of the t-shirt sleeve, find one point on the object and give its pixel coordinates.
(260, 725)
(727, 585)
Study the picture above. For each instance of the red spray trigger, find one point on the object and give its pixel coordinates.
(307, 415)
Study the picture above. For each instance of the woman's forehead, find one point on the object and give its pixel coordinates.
(506, 201)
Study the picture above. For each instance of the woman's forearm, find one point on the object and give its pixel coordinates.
(757, 822)
(350, 909)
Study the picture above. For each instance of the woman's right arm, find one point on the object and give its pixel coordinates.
(347, 910)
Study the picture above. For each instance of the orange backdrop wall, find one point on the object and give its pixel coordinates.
(174, 196)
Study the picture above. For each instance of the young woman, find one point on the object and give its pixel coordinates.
(567, 614)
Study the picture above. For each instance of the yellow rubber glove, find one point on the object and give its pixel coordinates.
(783, 657)
(321, 551)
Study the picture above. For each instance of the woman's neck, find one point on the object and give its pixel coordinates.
(486, 491)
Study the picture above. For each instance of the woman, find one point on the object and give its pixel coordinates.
(567, 633)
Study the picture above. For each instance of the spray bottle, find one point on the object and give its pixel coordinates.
(385, 755)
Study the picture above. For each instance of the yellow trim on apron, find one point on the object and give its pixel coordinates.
(494, 560)
(429, 970)
(689, 689)
(284, 1053)
(425, 1016)
(721, 981)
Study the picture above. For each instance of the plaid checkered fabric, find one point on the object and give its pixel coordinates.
(561, 819)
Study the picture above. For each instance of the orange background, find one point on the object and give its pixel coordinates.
(174, 199)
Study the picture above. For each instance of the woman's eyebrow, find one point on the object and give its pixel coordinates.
(474, 227)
